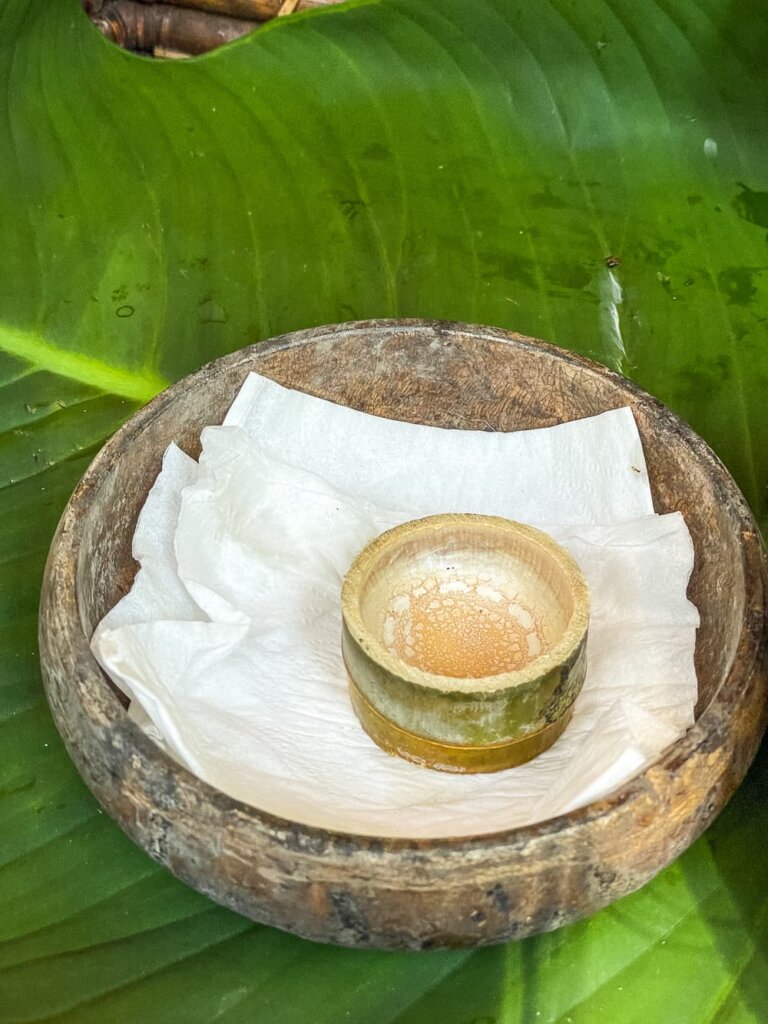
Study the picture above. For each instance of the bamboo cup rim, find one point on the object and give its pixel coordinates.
(387, 544)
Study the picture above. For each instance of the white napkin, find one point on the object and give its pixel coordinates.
(228, 643)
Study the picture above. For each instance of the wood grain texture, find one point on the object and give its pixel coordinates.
(365, 892)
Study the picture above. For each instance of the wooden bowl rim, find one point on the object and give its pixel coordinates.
(65, 549)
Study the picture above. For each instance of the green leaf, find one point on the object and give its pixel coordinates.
(477, 161)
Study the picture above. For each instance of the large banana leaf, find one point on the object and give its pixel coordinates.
(470, 159)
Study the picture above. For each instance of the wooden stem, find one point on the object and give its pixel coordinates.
(150, 26)
(250, 10)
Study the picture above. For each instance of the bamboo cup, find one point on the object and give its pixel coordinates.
(464, 638)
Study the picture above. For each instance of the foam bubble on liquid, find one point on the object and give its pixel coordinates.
(463, 626)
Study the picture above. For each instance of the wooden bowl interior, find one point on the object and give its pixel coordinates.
(513, 388)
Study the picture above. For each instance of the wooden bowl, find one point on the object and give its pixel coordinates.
(398, 893)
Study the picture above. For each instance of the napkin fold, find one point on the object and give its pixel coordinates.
(228, 643)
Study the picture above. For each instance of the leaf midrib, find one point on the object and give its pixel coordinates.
(139, 385)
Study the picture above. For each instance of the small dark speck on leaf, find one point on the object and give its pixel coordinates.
(738, 284)
(546, 200)
(124, 311)
(612, 261)
(375, 151)
(210, 312)
(752, 205)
